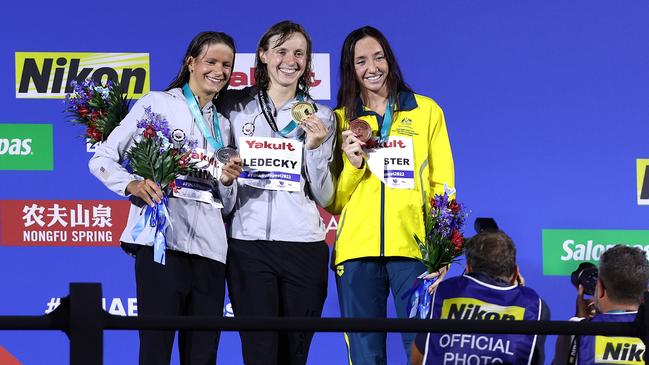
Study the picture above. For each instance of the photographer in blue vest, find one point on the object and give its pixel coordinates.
(490, 289)
(623, 278)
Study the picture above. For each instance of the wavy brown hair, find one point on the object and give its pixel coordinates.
(284, 30)
(349, 88)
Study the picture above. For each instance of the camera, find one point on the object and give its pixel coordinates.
(586, 276)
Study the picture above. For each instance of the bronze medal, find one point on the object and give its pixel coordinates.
(301, 111)
(361, 129)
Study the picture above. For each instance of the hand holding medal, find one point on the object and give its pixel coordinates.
(361, 129)
(305, 114)
(353, 148)
(232, 165)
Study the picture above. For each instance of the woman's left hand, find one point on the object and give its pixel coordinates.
(437, 274)
(316, 131)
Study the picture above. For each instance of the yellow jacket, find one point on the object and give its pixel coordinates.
(378, 221)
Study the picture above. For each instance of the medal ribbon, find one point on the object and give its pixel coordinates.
(217, 141)
(158, 217)
(267, 110)
(387, 120)
(420, 299)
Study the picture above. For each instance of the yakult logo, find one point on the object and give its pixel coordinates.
(269, 145)
(244, 74)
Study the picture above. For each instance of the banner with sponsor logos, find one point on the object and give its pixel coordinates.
(547, 126)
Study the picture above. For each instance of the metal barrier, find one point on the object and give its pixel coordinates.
(82, 318)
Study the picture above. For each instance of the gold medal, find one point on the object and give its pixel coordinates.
(361, 129)
(301, 111)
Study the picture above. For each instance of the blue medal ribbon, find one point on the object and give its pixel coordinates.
(387, 120)
(420, 299)
(266, 110)
(158, 217)
(215, 141)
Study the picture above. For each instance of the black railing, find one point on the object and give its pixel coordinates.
(82, 318)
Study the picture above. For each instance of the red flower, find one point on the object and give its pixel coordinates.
(172, 186)
(457, 240)
(93, 133)
(433, 203)
(454, 206)
(94, 116)
(83, 111)
(149, 132)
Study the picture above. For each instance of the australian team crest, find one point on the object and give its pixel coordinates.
(405, 127)
(248, 129)
(406, 121)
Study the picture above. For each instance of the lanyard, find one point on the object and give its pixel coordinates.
(217, 141)
(267, 111)
(387, 120)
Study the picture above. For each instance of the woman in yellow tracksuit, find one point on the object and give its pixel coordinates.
(383, 185)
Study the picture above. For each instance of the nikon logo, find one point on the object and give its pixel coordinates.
(469, 308)
(47, 75)
(618, 350)
(15, 146)
(26, 147)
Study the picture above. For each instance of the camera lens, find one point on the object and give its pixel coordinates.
(586, 276)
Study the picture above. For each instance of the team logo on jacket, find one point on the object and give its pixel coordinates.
(405, 127)
(340, 270)
(248, 129)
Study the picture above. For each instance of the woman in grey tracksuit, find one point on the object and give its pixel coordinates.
(277, 259)
(191, 279)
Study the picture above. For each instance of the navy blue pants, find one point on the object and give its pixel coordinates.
(363, 288)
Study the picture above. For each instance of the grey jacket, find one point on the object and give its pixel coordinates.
(280, 215)
(197, 228)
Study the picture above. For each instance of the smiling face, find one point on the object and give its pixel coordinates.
(285, 62)
(210, 71)
(371, 66)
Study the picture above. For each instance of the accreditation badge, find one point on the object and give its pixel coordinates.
(206, 160)
(393, 162)
(199, 186)
(271, 163)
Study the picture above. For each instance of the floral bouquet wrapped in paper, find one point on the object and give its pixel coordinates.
(441, 245)
(158, 157)
(97, 107)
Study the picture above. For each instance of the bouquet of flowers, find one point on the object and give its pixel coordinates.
(97, 107)
(157, 157)
(441, 245)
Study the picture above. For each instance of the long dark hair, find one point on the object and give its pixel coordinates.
(195, 49)
(349, 88)
(284, 29)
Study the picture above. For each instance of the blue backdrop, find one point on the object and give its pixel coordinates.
(546, 104)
